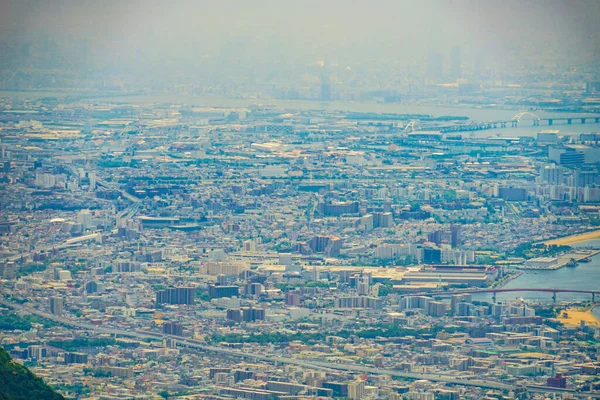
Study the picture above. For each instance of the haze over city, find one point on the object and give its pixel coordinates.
(277, 40)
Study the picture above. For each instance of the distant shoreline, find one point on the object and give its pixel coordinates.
(574, 239)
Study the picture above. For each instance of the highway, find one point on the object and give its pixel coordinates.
(196, 344)
(61, 246)
(112, 186)
(321, 365)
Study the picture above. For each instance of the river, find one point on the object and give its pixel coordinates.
(526, 128)
(586, 276)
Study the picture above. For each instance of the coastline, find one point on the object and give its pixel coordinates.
(563, 260)
(509, 278)
(574, 239)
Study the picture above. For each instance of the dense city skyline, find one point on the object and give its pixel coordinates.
(388, 200)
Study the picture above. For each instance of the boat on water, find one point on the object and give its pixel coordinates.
(585, 260)
(572, 263)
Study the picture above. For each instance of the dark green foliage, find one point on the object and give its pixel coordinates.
(528, 250)
(202, 294)
(381, 330)
(11, 322)
(30, 268)
(286, 287)
(19, 383)
(385, 289)
(550, 312)
(73, 345)
(97, 373)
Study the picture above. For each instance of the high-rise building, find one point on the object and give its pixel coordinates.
(92, 178)
(356, 390)
(234, 315)
(84, 217)
(181, 295)
(435, 63)
(436, 308)
(325, 87)
(250, 314)
(216, 292)
(328, 244)
(253, 289)
(56, 305)
(249, 246)
(558, 381)
(75, 358)
(457, 299)
(382, 220)
(126, 266)
(432, 255)
(552, 175)
(7, 270)
(456, 63)
(455, 235)
(410, 302)
(448, 236)
(512, 193)
(362, 285)
(36, 352)
(172, 328)
(292, 299)
(94, 287)
(374, 303)
(336, 209)
(585, 178)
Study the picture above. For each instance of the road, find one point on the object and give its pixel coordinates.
(61, 246)
(321, 365)
(112, 186)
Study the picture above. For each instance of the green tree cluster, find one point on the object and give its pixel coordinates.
(19, 383)
(11, 322)
(75, 344)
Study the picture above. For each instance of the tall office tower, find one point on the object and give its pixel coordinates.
(362, 285)
(356, 389)
(455, 238)
(325, 87)
(92, 178)
(435, 63)
(457, 299)
(8, 270)
(552, 175)
(84, 217)
(56, 305)
(456, 63)
(585, 178)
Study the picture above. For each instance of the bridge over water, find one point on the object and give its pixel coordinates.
(520, 119)
(506, 290)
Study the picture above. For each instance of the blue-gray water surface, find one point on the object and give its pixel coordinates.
(586, 276)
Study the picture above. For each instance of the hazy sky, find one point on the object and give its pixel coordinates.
(350, 32)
